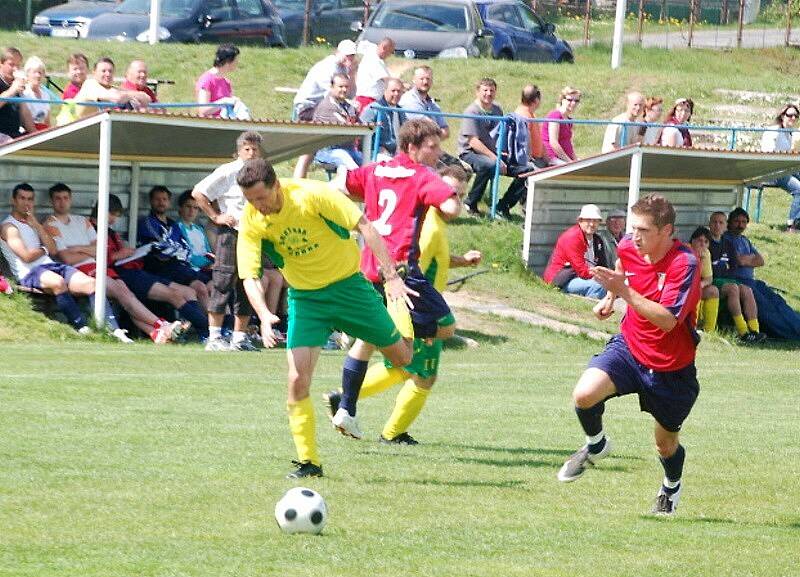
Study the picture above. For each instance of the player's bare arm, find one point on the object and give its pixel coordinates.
(395, 287)
(470, 258)
(255, 293)
(450, 208)
(605, 306)
(614, 281)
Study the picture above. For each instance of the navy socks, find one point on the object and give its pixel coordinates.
(193, 313)
(67, 305)
(353, 373)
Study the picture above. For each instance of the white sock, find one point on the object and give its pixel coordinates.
(214, 333)
(238, 336)
(596, 438)
(671, 484)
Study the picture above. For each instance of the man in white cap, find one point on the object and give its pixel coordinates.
(316, 85)
(578, 249)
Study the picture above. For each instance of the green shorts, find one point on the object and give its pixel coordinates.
(350, 305)
(721, 282)
(425, 363)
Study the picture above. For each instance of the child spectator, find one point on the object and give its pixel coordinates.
(680, 114)
(35, 74)
(708, 307)
(201, 256)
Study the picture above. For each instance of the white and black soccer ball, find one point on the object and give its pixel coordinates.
(301, 510)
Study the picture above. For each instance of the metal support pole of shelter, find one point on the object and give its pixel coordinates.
(633, 185)
(133, 203)
(376, 136)
(528, 234)
(103, 185)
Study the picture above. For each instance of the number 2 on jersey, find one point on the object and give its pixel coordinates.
(387, 200)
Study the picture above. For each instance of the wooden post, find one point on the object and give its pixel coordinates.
(788, 22)
(587, 18)
(741, 24)
(366, 11)
(692, 8)
(725, 16)
(641, 23)
(307, 23)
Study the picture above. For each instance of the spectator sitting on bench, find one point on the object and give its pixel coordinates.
(612, 139)
(390, 121)
(27, 247)
(708, 307)
(76, 241)
(780, 140)
(100, 88)
(201, 256)
(77, 70)
(336, 109)
(35, 89)
(680, 114)
(136, 80)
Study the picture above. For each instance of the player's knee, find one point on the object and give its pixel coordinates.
(299, 384)
(401, 355)
(666, 447)
(426, 383)
(711, 292)
(584, 397)
(447, 332)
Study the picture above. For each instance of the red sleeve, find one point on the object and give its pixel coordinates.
(681, 285)
(435, 191)
(356, 182)
(574, 250)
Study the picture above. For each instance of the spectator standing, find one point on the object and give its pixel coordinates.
(77, 70)
(373, 73)
(557, 136)
(418, 98)
(213, 86)
(219, 196)
(35, 74)
(336, 109)
(477, 144)
(100, 88)
(390, 121)
(200, 257)
(653, 109)
(679, 114)
(612, 139)
(577, 251)
(708, 307)
(136, 79)
(780, 140)
(15, 117)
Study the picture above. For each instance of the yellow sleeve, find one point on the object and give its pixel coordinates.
(335, 207)
(248, 246)
(434, 260)
(705, 266)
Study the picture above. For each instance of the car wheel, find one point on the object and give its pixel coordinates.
(505, 54)
(565, 59)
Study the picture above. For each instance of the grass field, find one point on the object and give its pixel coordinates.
(167, 461)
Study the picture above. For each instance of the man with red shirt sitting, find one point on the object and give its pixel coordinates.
(659, 279)
(136, 79)
(577, 250)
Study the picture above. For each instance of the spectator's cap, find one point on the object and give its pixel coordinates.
(617, 213)
(346, 47)
(590, 212)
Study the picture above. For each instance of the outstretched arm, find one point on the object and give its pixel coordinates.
(395, 287)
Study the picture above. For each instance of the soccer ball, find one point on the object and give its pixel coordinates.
(301, 510)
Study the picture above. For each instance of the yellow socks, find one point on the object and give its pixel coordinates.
(407, 408)
(741, 326)
(379, 378)
(752, 324)
(398, 310)
(710, 311)
(303, 427)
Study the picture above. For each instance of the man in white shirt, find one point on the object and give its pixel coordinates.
(27, 247)
(220, 188)
(373, 74)
(612, 139)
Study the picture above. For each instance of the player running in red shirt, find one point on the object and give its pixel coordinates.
(396, 195)
(659, 279)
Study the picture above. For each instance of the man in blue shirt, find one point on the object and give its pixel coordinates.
(747, 257)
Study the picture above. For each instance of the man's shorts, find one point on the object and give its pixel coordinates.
(430, 310)
(33, 280)
(350, 305)
(226, 286)
(175, 270)
(667, 395)
(140, 281)
(90, 268)
(425, 363)
(721, 282)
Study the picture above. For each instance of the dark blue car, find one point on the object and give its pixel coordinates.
(328, 19)
(520, 34)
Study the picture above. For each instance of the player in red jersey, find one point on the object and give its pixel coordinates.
(396, 195)
(659, 279)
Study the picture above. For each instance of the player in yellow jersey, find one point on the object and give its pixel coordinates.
(304, 226)
(419, 376)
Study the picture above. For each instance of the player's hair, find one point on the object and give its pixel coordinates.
(530, 94)
(486, 82)
(415, 131)
(185, 197)
(21, 186)
(159, 188)
(738, 211)
(225, 54)
(657, 207)
(9, 53)
(78, 57)
(254, 171)
(105, 59)
(718, 212)
(58, 187)
(249, 137)
(701, 231)
(454, 171)
(114, 206)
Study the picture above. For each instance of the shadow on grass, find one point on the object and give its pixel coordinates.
(533, 463)
(439, 483)
(525, 450)
(720, 521)
(459, 344)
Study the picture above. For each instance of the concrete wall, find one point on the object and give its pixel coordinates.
(556, 206)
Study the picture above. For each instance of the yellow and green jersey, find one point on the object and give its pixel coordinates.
(308, 240)
(434, 248)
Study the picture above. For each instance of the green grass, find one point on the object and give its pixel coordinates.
(167, 461)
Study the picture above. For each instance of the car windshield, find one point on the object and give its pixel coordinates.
(428, 16)
(290, 4)
(180, 8)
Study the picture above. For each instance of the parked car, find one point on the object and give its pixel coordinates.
(520, 34)
(217, 21)
(70, 20)
(329, 19)
(439, 28)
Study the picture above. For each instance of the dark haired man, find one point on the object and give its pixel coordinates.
(305, 226)
(659, 279)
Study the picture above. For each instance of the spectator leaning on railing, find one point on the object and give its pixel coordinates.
(653, 109)
(681, 113)
(15, 117)
(136, 79)
(633, 112)
(100, 88)
(418, 98)
(77, 70)
(391, 121)
(213, 87)
(35, 74)
(557, 136)
(781, 141)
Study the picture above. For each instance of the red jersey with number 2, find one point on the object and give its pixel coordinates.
(674, 283)
(396, 196)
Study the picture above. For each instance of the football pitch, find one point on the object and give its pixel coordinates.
(136, 460)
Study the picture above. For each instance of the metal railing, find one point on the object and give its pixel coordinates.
(106, 105)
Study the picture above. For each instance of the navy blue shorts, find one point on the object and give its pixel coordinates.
(33, 280)
(140, 281)
(668, 395)
(175, 270)
(430, 309)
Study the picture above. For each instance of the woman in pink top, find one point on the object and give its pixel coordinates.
(213, 86)
(556, 136)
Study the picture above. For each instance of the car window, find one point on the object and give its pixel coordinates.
(250, 8)
(352, 4)
(531, 21)
(180, 8)
(219, 10)
(429, 16)
(504, 13)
